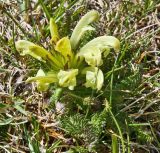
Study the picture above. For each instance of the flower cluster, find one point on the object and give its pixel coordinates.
(66, 60)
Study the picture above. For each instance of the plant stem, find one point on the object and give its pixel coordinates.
(119, 130)
(114, 144)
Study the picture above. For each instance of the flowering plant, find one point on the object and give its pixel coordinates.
(67, 62)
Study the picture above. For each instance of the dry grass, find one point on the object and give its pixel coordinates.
(132, 82)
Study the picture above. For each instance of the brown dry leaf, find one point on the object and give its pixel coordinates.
(54, 134)
(141, 57)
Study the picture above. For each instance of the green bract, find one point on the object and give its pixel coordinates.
(64, 47)
(54, 31)
(43, 80)
(67, 62)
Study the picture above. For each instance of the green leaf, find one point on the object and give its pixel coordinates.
(20, 109)
(82, 27)
(54, 145)
(3, 107)
(7, 121)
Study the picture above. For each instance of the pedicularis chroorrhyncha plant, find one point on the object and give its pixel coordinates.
(68, 62)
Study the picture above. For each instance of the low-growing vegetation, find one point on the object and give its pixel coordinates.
(80, 76)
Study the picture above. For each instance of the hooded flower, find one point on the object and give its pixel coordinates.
(92, 56)
(94, 78)
(92, 51)
(68, 78)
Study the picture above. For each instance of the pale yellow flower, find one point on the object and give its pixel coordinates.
(68, 78)
(94, 78)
